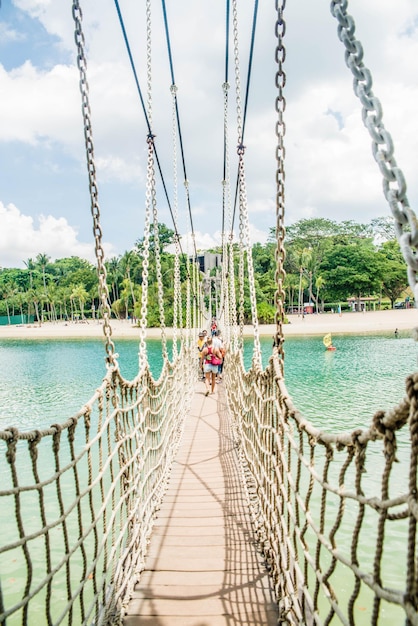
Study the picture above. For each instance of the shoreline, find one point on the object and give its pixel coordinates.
(313, 324)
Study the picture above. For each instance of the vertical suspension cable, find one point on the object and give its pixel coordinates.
(177, 286)
(244, 224)
(247, 91)
(280, 55)
(170, 56)
(111, 357)
(157, 252)
(226, 193)
(188, 293)
(149, 201)
(232, 295)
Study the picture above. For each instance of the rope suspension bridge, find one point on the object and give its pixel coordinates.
(151, 482)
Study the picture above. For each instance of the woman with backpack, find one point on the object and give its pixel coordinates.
(212, 358)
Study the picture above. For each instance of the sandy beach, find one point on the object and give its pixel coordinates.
(347, 323)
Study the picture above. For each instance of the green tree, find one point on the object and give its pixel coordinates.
(383, 228)
(319, 283)
(31, 267)
(114, 276)
(165, 239)
(394, 270)
(79, 294)
(352, 270)
(42, 260)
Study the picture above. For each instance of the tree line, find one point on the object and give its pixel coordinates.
(326, 263)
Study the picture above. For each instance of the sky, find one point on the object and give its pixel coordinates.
(330, 170)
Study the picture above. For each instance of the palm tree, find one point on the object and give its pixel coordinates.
(128, 260)
(42, 260)
(114, 273)
(33, 296)
(31, 267)
(291, 284)
(79, 293)
(303, 259)
(319, 283)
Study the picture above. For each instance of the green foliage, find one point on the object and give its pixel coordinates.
(326, 262)
(394, 280)
(266, 313)
(352, 270)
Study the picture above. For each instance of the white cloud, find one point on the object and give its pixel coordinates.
(7, 34)
(330, 170)
(40, 105)
(21, 238)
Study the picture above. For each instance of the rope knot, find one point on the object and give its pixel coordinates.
(389, 438)
(360, 449)
(378, 423)
(33, 444)
(11, 444)
(56, 437)
(240, 149)
(150, 138)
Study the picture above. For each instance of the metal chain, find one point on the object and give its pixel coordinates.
(177, 286)
(145, 262)
(239, 131)
(394, 185)
(241, 282)
(232, 296)
(149, 66)
(229, 259)
(151, 139)
(193, 286)
(94, 194)
(247, 247)
(160, 288)
(280, 180)
(226, 199)
(195, 320)
(237, 70)
(243, 209)
(149, 199)
(188, 294)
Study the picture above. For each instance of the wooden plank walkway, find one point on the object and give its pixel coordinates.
(203, 568)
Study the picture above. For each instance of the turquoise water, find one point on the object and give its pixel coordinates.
(44, 382)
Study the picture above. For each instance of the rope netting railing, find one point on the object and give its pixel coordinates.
(330, 538)
(78, 500)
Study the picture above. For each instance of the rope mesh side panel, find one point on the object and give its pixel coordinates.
(320, 523)
(78, 499)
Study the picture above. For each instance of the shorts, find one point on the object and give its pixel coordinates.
(209, 367)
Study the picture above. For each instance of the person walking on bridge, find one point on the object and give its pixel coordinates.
(201, 342)
(211, 359)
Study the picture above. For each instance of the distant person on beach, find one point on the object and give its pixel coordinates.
(396, 332)
(211, 360)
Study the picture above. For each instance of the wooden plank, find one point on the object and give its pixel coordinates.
(203, 566)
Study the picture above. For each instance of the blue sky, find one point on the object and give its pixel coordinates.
(330, 172)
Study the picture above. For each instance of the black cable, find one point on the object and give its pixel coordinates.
(167, 34)
(247, 90)
(150, 133)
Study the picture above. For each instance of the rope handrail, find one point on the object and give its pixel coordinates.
(308, 493)
(97, 480)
